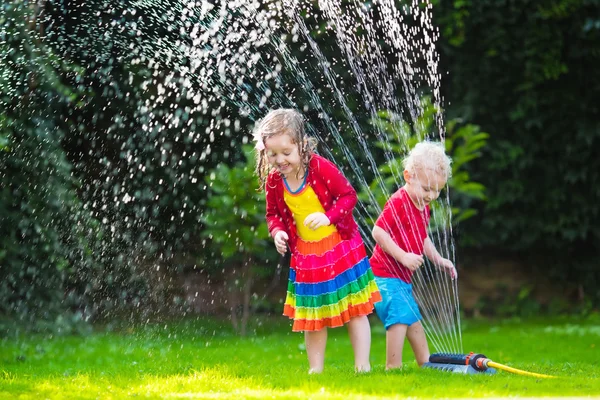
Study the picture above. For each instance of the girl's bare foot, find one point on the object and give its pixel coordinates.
(360, 369)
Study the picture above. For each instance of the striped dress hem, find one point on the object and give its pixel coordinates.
(330, 282)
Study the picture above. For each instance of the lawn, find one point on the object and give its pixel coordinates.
(202, 359)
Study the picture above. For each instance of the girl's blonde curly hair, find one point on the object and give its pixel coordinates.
(279, 122)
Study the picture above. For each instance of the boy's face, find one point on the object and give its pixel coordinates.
(424, 186)
(283, 154)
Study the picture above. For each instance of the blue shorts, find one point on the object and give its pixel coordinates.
(398, 305)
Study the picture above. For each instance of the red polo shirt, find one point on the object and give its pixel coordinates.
(407, 225)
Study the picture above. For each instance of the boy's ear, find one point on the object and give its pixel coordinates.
(407, 176)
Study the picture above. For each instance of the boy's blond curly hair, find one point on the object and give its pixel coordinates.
(430, 156)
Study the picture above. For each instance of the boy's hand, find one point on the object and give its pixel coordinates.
(316, 220)
(449, 268)
(412, 261)
(281, 238)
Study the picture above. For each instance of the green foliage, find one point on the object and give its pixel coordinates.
(526, 72)
(508, 304)
(57, 272)
(234, 220)
(235, 226)
(462, 142)
(41, 232)
(43, 229)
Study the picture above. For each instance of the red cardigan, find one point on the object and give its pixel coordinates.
(331, 187)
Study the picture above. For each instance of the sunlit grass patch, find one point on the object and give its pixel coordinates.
(196, 359)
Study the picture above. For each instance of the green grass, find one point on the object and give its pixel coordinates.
(202, 360)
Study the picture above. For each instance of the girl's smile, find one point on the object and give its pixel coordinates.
(283, 154)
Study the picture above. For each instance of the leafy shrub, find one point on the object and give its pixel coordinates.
(235, 227)
(527, 73)
(463, 143)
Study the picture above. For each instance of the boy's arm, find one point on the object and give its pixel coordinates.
(431, 252)
(387, 244)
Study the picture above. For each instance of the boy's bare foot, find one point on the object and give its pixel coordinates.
(393, 367)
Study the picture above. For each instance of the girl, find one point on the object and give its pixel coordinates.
(309, 211)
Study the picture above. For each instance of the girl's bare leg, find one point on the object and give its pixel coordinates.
(418, 342)
(315, 349)
(394, 342)
(359, 331)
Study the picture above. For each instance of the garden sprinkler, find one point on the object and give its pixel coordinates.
(472, 363)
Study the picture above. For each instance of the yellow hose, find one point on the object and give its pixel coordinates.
(493, 364)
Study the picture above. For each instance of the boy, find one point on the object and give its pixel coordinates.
(401, 239)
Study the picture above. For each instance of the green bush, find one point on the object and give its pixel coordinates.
(527, 72)
(59, 269)
(463, 143)
(236, 229)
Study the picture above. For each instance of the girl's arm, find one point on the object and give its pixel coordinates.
(274, 219)
(343, 192)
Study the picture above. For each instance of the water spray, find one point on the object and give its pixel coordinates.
(472, 363)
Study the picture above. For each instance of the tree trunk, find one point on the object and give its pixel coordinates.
(37, 30)
(233, 300)
(275, 281)
(248, 278)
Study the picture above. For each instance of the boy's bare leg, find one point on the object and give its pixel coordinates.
(359, 331)
(315, 349)
(394, 342)
(418, 341)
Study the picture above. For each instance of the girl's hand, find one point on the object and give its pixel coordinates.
(412, 261)
(281, 238)
(316, 220)
(449, 268)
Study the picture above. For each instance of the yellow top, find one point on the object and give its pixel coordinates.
(303, 203)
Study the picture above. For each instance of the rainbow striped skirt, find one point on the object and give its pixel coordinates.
(330, 282)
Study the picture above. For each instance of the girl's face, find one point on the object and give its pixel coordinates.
(424, 186)
(283, 154)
